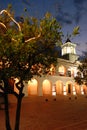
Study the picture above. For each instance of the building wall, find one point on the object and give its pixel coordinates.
(56, 83)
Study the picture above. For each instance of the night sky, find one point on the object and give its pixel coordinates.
(69, 13)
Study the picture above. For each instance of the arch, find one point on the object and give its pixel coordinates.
(54, 89)
(32, 87)
(69, 87)
(84, 88)
(47, 87)
(62, 70)
(77, 87)
(59, 87)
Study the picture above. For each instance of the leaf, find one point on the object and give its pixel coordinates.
(76, 31)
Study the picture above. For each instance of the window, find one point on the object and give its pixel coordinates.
(62, 70)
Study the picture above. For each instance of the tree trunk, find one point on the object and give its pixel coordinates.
(18, 110)
(7, 120)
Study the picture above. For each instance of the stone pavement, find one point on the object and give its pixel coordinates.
(56, 113)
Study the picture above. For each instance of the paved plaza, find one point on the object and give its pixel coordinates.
(49, 113)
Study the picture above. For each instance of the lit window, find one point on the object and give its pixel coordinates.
(62, 70)
(68, 50)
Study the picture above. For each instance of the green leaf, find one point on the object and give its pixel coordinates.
(76, 31)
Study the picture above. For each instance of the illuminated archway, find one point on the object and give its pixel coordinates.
(32, 87)
(59, 87)
(77, 87)
(69, 87)
(46, 87)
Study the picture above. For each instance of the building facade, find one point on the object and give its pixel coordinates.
(60, 80)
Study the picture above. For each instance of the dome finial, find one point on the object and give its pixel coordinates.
(68, 40)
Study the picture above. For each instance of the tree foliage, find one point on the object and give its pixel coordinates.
(74, 33)
(32, 45)
(26, 49)
(81, 78)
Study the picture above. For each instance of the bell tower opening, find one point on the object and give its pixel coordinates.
(69, 51)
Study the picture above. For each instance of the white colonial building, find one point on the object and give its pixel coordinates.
(60, 81)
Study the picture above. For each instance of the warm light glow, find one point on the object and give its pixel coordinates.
(74, 93)
(15, 88)
(64, 93)
(54, 90)
(62, 70)
(32, 87)
(64, 88)
(33, 81)
(54, 93)
(47, 87)
(81, 88)
(54, 87)
(82, 93)
(59, 87)
(52, 70)
(73, 88)
(16, 80)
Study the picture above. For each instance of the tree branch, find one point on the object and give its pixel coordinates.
(1, 88)
(33, 38)
(19, 27)
(2, 24)
(5, 11)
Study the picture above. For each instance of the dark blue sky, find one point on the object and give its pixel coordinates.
(69, 13)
